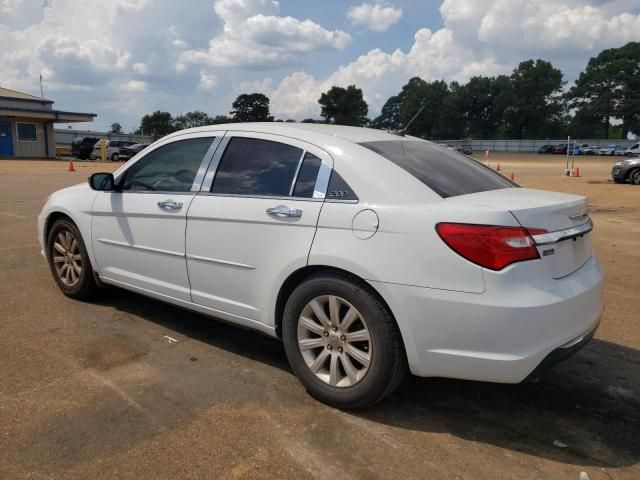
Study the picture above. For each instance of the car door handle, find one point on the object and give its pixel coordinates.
(284, 211)
(170, 205)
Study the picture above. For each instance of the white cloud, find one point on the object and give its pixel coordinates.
(377, 17)
(124, 58)
(540, 28)
(208, 81)
(479, 37)
(255, 36)
(140, 68)
(381, 74)
(134, 86)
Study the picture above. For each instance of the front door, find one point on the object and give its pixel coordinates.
(254, 222)
(6, 142)
(139, 232)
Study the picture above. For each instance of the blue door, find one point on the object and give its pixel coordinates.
(6, 143)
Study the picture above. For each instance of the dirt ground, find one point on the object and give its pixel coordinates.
(97, 390)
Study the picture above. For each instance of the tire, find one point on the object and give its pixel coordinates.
(634, 176)
(65, 259)
(354, 385)
(114, 157)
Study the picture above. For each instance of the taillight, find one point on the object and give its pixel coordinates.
(490, 246)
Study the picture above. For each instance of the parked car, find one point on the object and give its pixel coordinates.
(574, 150)
(113, 149)
(589, 149)
(612, 149)
(435, 263)
(81, 147)
(627, 170)
(128, 152)
(561, 148)
(545, 149)
(633, 151)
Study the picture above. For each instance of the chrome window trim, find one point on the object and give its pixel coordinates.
(559, 235)
(206, 160)
(295, 176)
(322, 180)
(269, 197)
(155, 192)
(213, 165)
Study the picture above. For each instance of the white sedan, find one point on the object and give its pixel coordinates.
(367, 253)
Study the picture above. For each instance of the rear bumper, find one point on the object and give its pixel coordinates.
(561, 354)
(502, 335)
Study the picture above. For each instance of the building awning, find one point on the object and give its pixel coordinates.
(57, 116)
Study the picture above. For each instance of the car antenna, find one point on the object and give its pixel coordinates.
(403, 132)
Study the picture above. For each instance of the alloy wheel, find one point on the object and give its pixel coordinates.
(334, 341)
(67, 259)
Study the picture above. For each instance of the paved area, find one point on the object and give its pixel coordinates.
(98, 390)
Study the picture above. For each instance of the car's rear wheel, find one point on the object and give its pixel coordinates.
(342, 342)
(114, 157)
(69, 261)
(635, 176)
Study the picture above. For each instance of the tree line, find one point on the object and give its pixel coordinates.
(531, 102)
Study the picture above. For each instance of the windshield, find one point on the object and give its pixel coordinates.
(445, 171)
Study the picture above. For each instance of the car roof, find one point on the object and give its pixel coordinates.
(302, 130)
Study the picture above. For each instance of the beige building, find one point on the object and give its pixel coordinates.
(26, 125)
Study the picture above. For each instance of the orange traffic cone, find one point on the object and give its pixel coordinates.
(512, 176)
(71, 168)
(498, 167)
(577, 171)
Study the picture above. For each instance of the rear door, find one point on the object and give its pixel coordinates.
(254, 220)
(138, 233)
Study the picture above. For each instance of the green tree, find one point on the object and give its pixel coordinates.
(344, 106)
(218, 119)
(157, 124)
(481, 110)
(191, 120)
(389, 118)
(116, 127)
(533, 104)
(432, 96)
(253, 107)
(609, 88)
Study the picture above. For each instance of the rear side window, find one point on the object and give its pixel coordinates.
(446, 172)
(251, 166)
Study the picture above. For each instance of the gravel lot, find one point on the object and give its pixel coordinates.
(96, 390)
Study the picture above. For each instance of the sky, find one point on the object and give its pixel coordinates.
(121, 59)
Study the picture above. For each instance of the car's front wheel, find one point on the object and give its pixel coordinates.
(635, 176)
(69, 261)
(342, 342)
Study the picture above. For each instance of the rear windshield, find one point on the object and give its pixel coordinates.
(445, 171)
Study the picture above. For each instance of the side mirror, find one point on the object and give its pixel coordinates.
(103, 182)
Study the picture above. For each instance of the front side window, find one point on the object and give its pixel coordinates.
(252, 166)
(170, 168)
(444, 171)
(26, 132)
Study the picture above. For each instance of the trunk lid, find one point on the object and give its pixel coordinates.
(551, 211)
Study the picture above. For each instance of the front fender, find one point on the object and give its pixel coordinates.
(76, 203)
